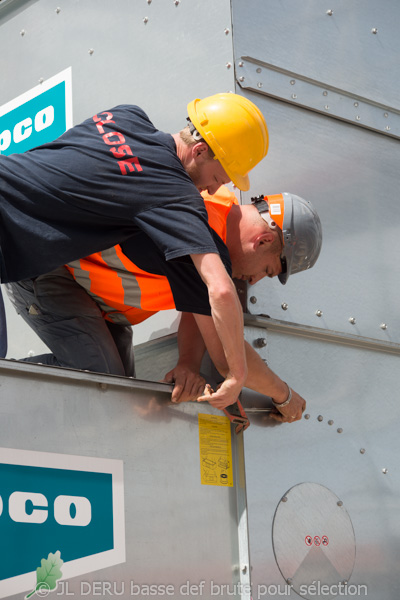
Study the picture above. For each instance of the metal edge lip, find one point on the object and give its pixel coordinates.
(320, 334)
(52, 372)
(363, 112)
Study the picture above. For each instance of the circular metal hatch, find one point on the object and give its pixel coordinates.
(313, 540)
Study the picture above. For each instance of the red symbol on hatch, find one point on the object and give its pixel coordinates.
(325, 540)
(317, 540)
(309, 540)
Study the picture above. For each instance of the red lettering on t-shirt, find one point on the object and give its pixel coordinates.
(109, 116)
(121, 151)
(100, 124)
(127, 164)
(107, 136)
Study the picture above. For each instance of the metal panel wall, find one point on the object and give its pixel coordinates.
(334, 67)
(348, 443)
(325, 77)
(177, 530)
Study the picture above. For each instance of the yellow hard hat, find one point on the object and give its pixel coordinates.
(235, 130)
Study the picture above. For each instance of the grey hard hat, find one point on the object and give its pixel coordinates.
(301, 230)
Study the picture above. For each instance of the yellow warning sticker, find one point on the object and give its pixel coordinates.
(215, 450)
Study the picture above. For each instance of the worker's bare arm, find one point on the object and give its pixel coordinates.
(260, 377)
(189, 385)
(227, 317)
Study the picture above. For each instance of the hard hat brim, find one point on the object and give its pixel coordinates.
(240, 181)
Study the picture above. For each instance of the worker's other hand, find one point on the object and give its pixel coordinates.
(291, 412)
(226, 394)
(188, 385)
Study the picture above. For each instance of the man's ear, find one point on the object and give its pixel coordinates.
(266, 237)
(199, 149)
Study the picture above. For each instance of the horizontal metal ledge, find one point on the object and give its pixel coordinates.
(270, 80)
(321, 335)
(49, 372)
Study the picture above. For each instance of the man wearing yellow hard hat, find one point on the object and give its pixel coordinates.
(115, 175)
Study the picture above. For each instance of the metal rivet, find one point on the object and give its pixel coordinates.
(241, 64)
(340, 503)
(289, 581)
(228, 65)
(387, 128)
(146, 20)
(358, 117)
(340, 430)
(374, 30)
(41, 80)
(362, 450)
(149, 1)
(386, 115)
(383, 326)
(294, 96)
(90, 51)
(325, 93)
(103, 386)
(226, 31)
(284, 306)
(259, 84)
(177, 2)
(307, 416)
(241, 78)
(329, 12)
(326, 107)
(244, 569)
(330, 422)
(384, 471)
(253, 299)
(292, 81)
(320, 418)
(356, 104)
(22, 32)
(260, 343)
(318, 313)
(58, 10)
(258, 70)
(352, 320)
(284, 499)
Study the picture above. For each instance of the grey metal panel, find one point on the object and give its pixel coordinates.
(177, 530)
(351, 177)
(348, 442)
(349, 173)
(159, 55)
(339, 49)
(276, 82)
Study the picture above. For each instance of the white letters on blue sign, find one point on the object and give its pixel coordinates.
(29, 507)
(22, 130)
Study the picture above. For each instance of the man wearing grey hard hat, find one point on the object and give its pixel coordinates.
(274, 236)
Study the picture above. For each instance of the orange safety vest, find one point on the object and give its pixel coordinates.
(125, 293)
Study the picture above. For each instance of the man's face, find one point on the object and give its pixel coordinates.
(254, 260)
(206, 173)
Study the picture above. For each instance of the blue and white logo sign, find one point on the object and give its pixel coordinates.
(38, 116)
(57, 503)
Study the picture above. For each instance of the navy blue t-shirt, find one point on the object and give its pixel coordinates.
(188, 289)
(101, 182)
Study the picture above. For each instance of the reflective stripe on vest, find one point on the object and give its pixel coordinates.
(125, 293)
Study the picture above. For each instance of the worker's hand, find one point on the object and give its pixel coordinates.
(188, 385)
(226, 394)
(292, 411)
